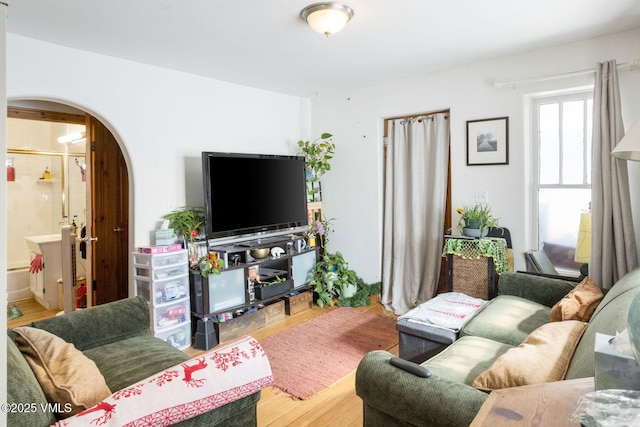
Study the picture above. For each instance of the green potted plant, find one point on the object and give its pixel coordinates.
(186, 222)
(332, 278)
(273, 287)
(476, 221)
(317, 155)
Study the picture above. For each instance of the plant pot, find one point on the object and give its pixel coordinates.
(264, 292)
(474, 232)
(473, 223)
(349, 290)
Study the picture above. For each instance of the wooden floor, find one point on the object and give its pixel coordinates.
(337, 405)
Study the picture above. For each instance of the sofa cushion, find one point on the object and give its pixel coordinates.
(507, 319)
(127, 361)
(579, 303)
(65, 374)
(610, 317)
(110, 322)
(543, 357)
(465, 359)
(23, 387)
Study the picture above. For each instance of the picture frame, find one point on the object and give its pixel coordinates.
(488, 141)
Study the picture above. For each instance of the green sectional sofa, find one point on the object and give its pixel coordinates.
(116, 336)
(395, 397)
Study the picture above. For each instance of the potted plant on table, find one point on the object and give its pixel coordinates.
(476, 221)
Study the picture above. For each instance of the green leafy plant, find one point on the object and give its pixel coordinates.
(479, 216)
(186, 221)
(361, 297)
(329, 277)
(278, 279)
(317, 156)
(207, 266)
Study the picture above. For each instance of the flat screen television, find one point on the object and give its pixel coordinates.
(247, 195)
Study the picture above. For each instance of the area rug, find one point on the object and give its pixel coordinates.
(313, 355)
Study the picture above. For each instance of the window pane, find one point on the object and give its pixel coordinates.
(558, 220)
(549, 141)
(573, 142)
(589, 114)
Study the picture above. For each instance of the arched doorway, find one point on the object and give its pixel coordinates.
(105, 223)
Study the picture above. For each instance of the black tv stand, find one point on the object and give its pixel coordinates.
(241, 285)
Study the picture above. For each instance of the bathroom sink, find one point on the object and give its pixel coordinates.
(40, 244)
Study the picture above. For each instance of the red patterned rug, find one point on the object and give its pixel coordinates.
(313, 355)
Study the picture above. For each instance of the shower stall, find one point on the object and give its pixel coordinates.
(45, 189)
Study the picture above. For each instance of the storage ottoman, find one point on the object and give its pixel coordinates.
(419, 342)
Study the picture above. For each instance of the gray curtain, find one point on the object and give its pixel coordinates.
(613, 247)
(414, 209)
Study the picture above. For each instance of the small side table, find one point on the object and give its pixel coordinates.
(473, 265)
(550, 404)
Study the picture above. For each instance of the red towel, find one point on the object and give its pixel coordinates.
(36, 264)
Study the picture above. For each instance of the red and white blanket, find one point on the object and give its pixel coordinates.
(451, 310)
(227, 373)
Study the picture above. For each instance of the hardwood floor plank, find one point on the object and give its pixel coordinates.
(336, 405)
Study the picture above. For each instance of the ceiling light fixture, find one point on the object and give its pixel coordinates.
(72, 138)
(327, 18)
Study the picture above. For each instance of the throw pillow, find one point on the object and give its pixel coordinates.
(579, 303)
(66, 376)
(543, 356)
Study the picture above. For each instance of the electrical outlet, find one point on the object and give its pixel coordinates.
(482, 197)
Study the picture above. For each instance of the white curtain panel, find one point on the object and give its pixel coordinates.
(414, 210)
(613, 247)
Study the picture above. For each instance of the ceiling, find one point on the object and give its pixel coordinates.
(265, 44)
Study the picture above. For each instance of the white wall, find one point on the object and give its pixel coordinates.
(161, 118)
(352, 189)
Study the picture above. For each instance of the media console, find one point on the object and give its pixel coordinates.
(241, 287)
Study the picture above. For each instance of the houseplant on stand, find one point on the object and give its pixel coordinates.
(476, 221)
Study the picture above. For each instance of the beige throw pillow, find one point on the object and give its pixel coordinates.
(65, 374)
(579, 303)
(542, 357)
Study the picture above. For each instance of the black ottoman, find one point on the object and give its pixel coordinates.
(418, 342)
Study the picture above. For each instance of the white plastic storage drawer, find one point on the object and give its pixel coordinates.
(179, 337)
(160, 260)
(162, 273)
(169, 315)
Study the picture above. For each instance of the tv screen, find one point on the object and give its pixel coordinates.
(249, 194)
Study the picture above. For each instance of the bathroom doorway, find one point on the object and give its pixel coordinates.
(87, 183)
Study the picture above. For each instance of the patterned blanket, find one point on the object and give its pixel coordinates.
(451, 310)
(227, 373)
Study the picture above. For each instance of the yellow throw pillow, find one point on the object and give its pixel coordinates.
(66, 376)
(542, 357)
(579, 303)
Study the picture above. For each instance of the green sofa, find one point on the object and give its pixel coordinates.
(395, 397)
(117, 337)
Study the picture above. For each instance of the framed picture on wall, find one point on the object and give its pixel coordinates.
(488, 141)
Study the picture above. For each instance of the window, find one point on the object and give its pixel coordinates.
(562, 128)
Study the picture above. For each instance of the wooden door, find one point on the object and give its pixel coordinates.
(109, 221)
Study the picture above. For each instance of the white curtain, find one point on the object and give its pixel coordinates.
(414, 210)
(613, 247)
